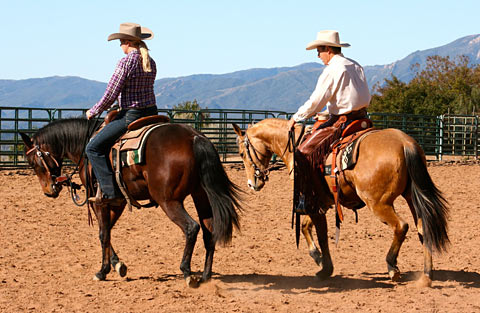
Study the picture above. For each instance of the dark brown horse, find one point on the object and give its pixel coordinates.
(179, 162)
(390, 164)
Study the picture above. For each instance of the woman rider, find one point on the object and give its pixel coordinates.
(132, 85)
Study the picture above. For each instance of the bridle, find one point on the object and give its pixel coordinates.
(258, 172)
(62, 180)
(40, 154)
(66, 180)
(291, 147)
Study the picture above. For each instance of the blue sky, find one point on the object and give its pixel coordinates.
(68, 38)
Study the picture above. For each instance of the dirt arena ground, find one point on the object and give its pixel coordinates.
(49, 254)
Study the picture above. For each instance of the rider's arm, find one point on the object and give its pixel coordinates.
(113, 90)
(319, 98)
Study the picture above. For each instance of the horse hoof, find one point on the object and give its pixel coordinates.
(323, 274)
(192, 282)
(121, 269)
(423, 281)
(316, 256)
(99, 277)
(394, 275)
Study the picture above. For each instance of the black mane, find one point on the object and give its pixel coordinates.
(65, 135)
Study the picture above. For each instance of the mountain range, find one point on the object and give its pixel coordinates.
(282, 89)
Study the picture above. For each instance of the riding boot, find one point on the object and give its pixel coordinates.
(101, 200)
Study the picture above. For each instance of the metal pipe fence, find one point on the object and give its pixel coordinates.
(438, 135)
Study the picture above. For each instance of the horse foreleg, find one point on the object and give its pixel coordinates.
(307, 226)
(320, 222)
(118, 265)
(177, 213)
(103, 218)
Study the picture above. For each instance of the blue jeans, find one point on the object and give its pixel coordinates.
(99, 147)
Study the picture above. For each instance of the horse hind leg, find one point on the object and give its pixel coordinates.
(386, 214)
(177, 213)
(205, 215)
(427, 277)
(307, 226)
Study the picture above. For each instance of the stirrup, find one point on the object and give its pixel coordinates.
(102, 202)
(98, 196)
(300, 208)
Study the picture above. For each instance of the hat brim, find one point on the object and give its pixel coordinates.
(316, 43)
(146, 34)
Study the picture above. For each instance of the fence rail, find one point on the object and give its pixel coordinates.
(438, 135)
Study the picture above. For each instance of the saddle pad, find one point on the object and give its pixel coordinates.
(348, 156)
(133, 153)
(345, 158)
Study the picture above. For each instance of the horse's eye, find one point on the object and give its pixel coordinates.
(241, 154)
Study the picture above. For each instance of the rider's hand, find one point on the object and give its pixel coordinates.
(291, 124)
(89, 115)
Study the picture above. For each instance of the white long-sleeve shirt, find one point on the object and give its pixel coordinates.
(342, 87)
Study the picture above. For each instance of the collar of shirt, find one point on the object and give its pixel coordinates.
(336, 58)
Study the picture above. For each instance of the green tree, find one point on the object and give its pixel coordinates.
(444, 85)
(191, 110)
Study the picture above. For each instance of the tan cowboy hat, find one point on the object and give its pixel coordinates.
(327, 38)
(132, 31)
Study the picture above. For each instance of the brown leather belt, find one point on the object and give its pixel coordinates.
(139, 108)
(354, 115)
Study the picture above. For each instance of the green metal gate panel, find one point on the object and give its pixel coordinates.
(438, 135)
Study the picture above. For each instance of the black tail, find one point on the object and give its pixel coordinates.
(430, 205)
(222, 193)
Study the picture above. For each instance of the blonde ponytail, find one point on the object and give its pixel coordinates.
(145, 57)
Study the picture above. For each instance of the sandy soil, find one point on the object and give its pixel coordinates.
(49, 254)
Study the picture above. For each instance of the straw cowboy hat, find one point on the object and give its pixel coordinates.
(132, 31)
(327, 38)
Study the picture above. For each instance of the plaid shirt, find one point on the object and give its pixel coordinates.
(129, 84)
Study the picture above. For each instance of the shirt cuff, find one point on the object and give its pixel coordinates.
(92, 112)
(297, 118)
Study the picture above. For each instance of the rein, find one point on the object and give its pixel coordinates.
(67, 178)
(292, 145)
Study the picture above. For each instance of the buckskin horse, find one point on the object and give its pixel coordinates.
(179, 161)
(390, 163)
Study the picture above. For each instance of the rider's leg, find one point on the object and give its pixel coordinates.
(97, 151)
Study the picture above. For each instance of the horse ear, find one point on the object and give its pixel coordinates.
(26, 140)
(237, 130)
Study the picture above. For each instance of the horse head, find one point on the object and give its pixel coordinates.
(45, 164)
(255, 157)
